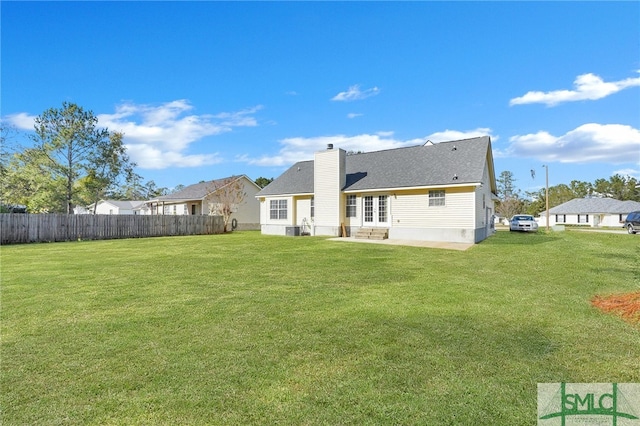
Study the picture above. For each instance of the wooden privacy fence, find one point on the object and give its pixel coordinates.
(16, 228)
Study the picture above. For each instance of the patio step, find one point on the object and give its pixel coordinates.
(372, 233)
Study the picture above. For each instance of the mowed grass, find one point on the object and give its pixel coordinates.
(250, 329)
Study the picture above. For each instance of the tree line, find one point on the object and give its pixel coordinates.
(513, 201)
(71, 161)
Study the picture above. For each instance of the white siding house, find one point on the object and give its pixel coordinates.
(200, 199)
(115, 207)
(434, 192)
(591, 212)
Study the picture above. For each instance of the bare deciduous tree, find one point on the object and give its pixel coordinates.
(510, 206)
(226, 196)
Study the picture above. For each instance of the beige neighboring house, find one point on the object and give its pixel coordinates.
(433, 192)
(115, 207)
(200, 199)
(593, 212)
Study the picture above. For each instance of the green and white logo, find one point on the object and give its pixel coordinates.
(569, 404)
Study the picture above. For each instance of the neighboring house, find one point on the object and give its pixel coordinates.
(201, 199)
(593, 212)
(142, 209)
(80, 210)
(501, 220)
(434, 192)
(114, 207)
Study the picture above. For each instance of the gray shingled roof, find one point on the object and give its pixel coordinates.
(196, 191)
(414, 166)
(298, 179)
(595, 205)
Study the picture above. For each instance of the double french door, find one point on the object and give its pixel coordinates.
(375, 210)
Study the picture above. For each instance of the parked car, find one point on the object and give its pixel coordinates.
(632, 222)
(523, 222)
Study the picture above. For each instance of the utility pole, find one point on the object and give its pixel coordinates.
(546, 192)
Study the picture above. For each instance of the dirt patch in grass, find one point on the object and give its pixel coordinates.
(625, 305)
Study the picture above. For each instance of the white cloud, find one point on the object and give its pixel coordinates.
(592, 142)
(241, 118)
(300, 148)
(454, 135)
(162, 126)
(354, 115)
(21, 121)
(157, 135)
(587, 87)
(150, 157)
(632, 173)
(353, 93)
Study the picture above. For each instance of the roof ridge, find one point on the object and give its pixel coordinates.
(420, 145)
(387, 149)
(465, 139)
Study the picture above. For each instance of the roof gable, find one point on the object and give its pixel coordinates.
(298, 179)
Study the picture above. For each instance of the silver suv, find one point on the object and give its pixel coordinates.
(632, 222)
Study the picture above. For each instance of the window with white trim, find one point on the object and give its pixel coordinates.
(583, 218)
(382, 208)
(561, 218)
(436, 198)
(313, 207)
(278, 209)
(351, 206)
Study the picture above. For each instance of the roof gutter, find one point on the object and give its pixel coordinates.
(411, 188)
(297, 194)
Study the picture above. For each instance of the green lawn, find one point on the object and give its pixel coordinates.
(250, 329)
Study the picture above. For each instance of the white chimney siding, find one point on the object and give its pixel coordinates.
(329, 179)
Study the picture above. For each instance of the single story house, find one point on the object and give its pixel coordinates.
(205, 198)
(593, 212)
(433, 192)
(114, 207)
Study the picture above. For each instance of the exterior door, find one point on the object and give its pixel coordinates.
(376, 210)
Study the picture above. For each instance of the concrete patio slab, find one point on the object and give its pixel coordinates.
(412, 243)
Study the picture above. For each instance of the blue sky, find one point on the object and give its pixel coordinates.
(204, 90)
